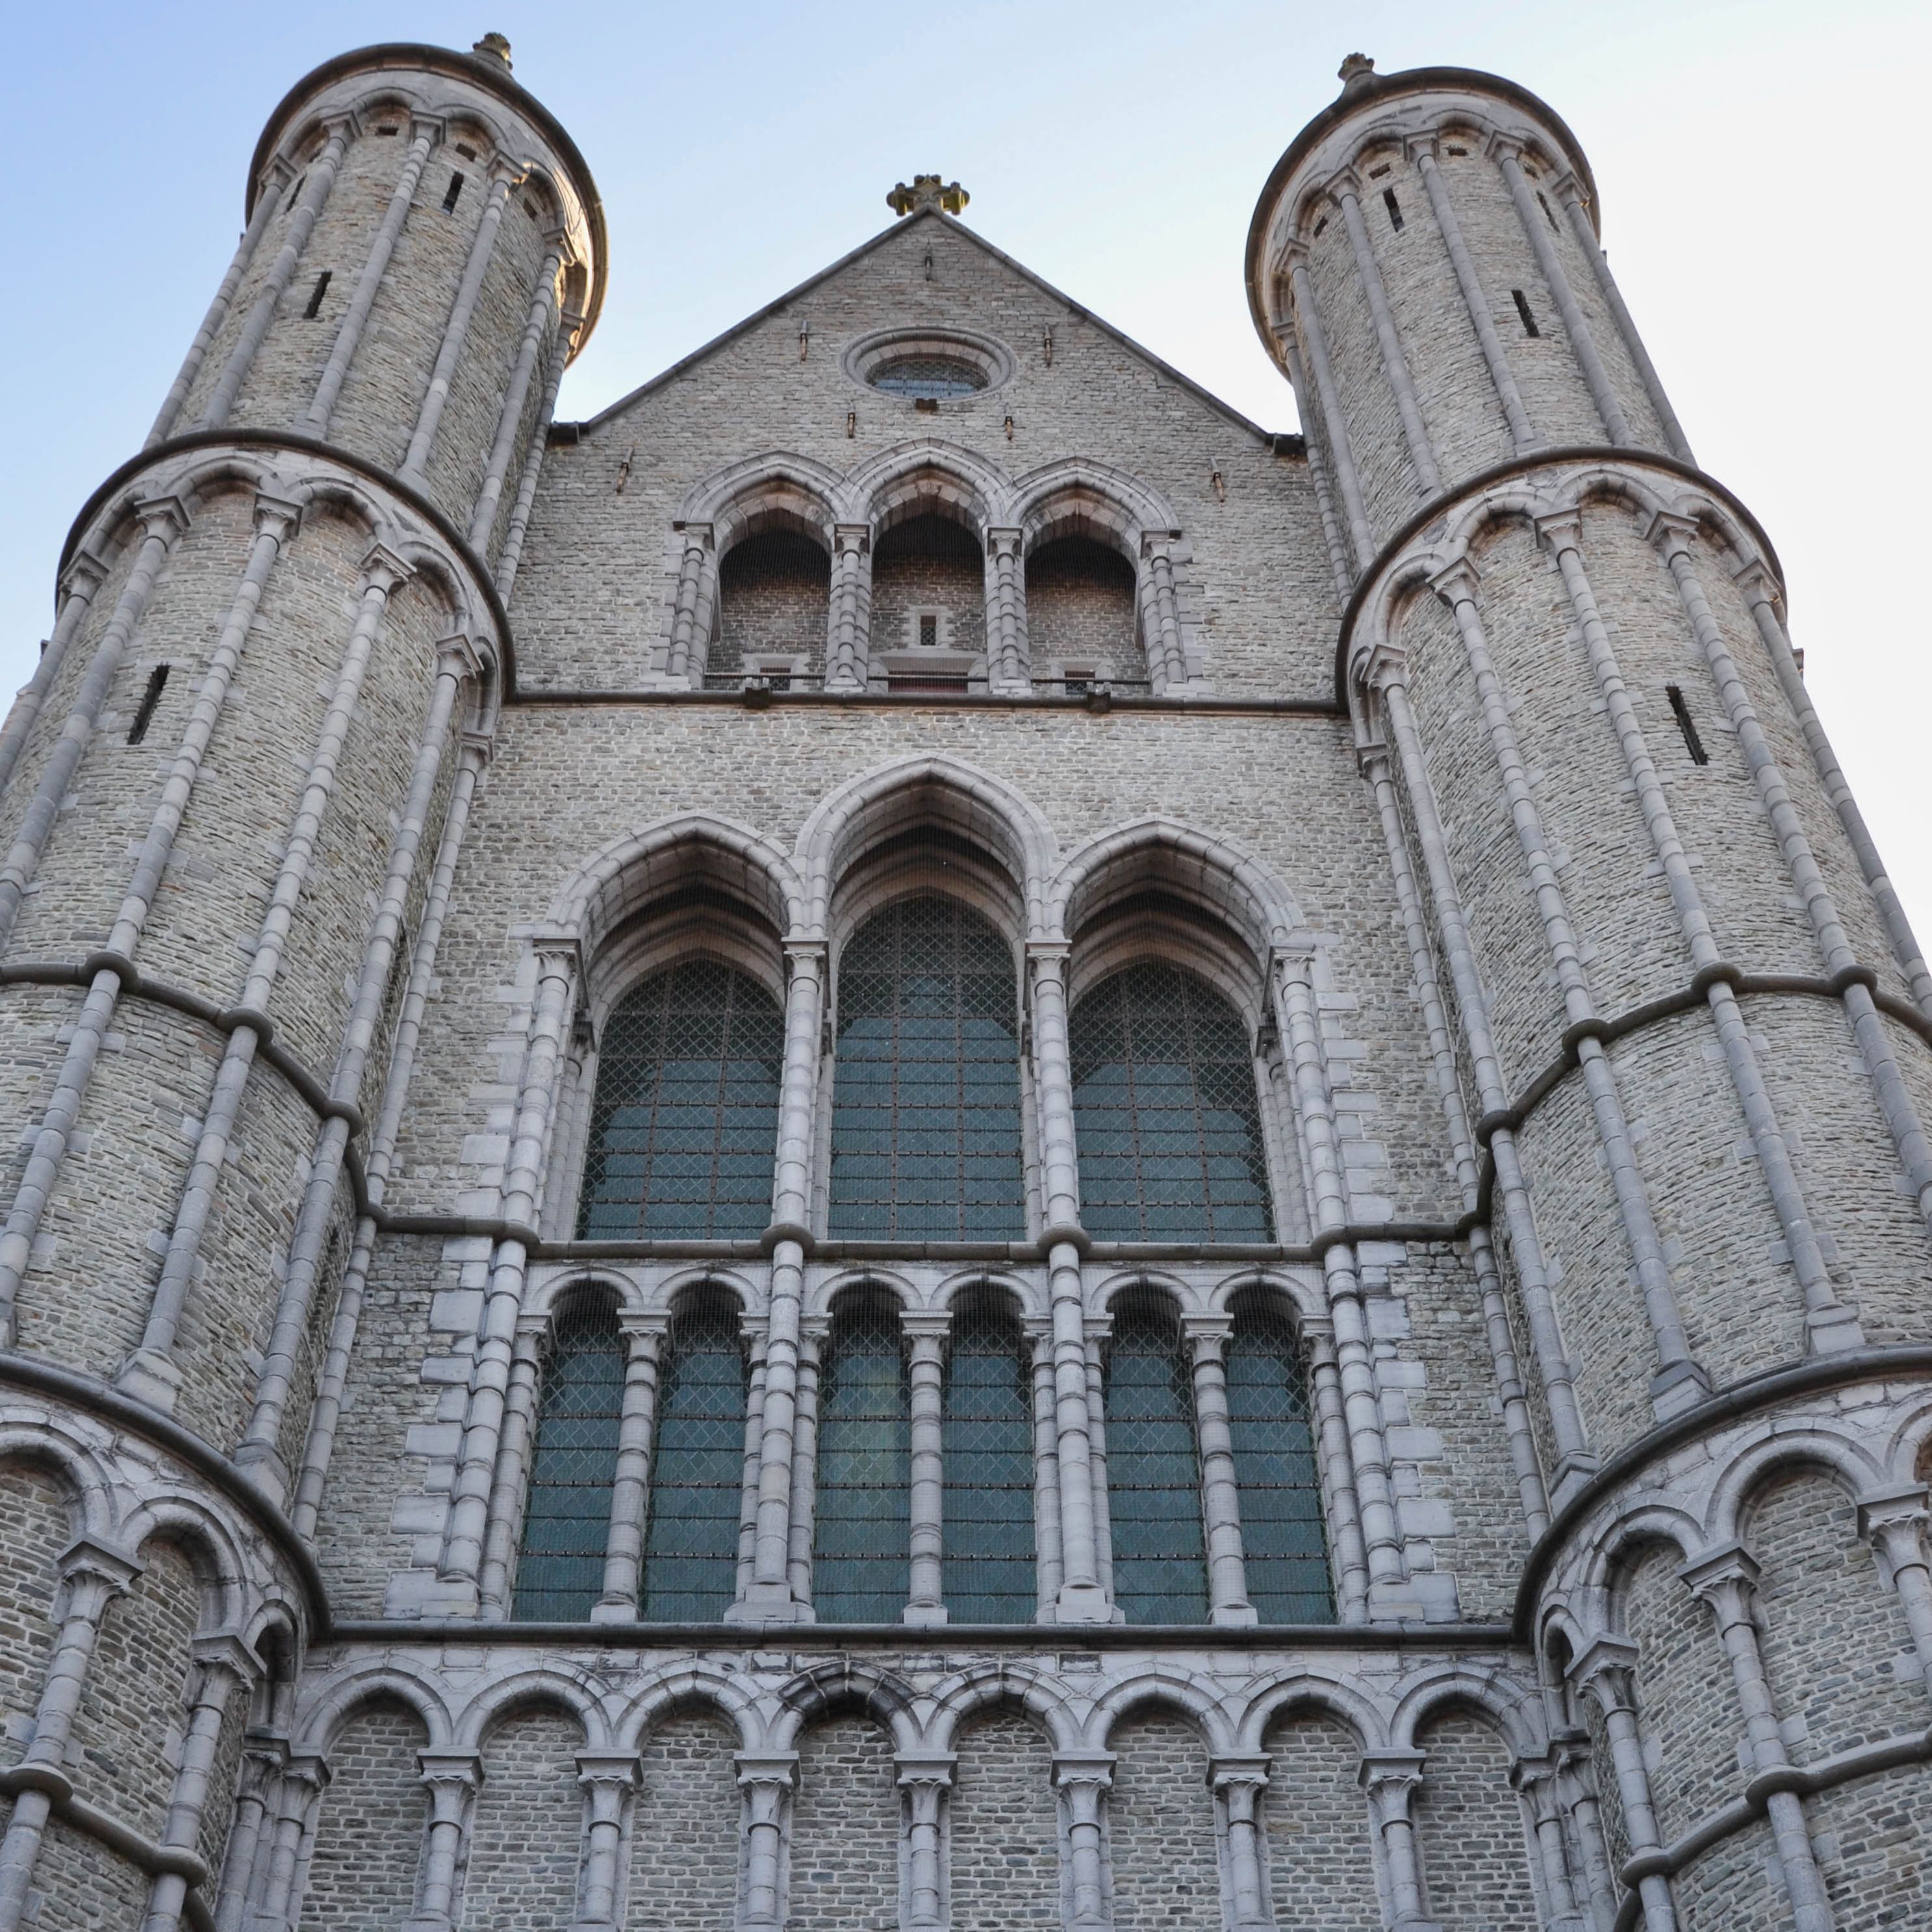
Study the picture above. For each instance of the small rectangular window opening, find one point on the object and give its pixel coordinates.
(1680, 712)
(316, 294)
(468, 153)
(928, 632)
(1546, 215)
(1393, 206)
(1459, 152)
(387, 130)
(1321, 224)
(1522, 301)
(144, 713)
(1376, 174)
(454, 189)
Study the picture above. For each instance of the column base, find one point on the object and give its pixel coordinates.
(1082, 1603)
(1830, 1331)
(1234, 1616)
(263, 1467)
(150, 1377)
(768, 1603)
(924, 1614)
(613, 1610)
(1395, 1604)
(1681, 1386)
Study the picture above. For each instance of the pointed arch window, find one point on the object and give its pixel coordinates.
(986, 1439)
(1153, 1470)
(567, 1518)
(1165, 1111)
(1283, 1537)
(862, 1529)
(925, 1116)
(698, 1468)
(684, 1126)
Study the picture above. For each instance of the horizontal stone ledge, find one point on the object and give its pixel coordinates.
(946, 700)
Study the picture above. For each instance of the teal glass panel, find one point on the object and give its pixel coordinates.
(863, 1520)
(986, 1439)
(1282, 1533)
(1165, 1111)
(697, 1471)
(925, 1114)
(567, 1519)
(684, 1127)
(1153, 1473)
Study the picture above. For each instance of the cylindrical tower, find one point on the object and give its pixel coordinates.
(1687, 1030)
(232, 794)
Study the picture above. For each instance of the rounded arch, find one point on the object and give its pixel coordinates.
(555, 1686)
(688, 1687)
(377, 1682)
(44, 1447)
(1815, 1451)
(1299, 1296)
(829, 1690)
(1002, 1686)
(1156, 1687)
(1013, 1296)
(573, 1287)
(1152, 1289)
(845, 1289)
(1513, 1709)
(1311, 1696)
(1641, 1525)
(212, 1552)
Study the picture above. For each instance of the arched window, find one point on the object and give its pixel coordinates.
(986, 1441)
(567, 1519)
(862, 1531)
(684, 1130)
(1081, 617)
(697, 1469)
(925, 1116)
(1282, 1535)
(772, 590)
(1153, 1472)
(1165, 1111)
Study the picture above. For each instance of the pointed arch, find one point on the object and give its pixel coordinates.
(927, 475)
(1080, 496)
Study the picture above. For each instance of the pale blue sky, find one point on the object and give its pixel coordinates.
(1761, 168)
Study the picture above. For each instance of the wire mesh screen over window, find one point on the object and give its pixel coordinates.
(567, 1520)
(1080, 610)
(697, 1467)
(987, 1442)
(933, 377)
(1164, 1107)
(1281, 1531)
(685, 1129)
(772, 591)
(925, 1118)
(1154, 1474)
(861, 1561)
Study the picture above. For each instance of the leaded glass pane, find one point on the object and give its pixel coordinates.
(684, 1130)
(862, 1529)
(929, 376)
(1282, 1535)
(925, 1116)
(1165, 1111)
(567, 1520)
(1153, 1473)
(697, 1467)
(987, 1442)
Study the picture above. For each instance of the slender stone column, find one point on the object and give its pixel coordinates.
(805, 964)
(1007, 654)
(85, 574)
(1725, 1579)
(320, 182)
(766, 1779)
(268, 205)
(1340, 564)
(1220, 1499)
(522, 373)
(452, 1778)
(1082, 1778)
(1048, 1565)
(1239, 1783)
(557, 971)
(1344, 190)
(92, 1576)
(748, 1494)
(925, 1777)
(1390, 1779)
(1829, 1323)
(1098, 1328)
(513, 1464)
(812, 1332)
(1534, 1781)
(1334, 424)
(684, 662)
(1569, 191)
(1338, 1473)
(562, 346)
(1607, 1670)
(1368, 1446)
(1167, 664)
(851, 606)
(261, 1766)
(1894, 1522)
(630, 1487)
(1507, 155)
(608, 1779)
(162, 520)
(1523, 432)
(113, 964)
(1576, 1793)
(926, 1335)
(222, 1667)
(304, 1780)
(424, 132)
(505, 176)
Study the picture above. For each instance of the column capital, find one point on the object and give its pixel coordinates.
(1207, 1330)
(697, 536)
(457, 656)
(637, 1325)
(1390, 1778)
(1249, 1768)
(925, 1767)
(769, 1767)
(618, 1768)
(307, 1769)
(1097, 1327)
(1566, 188)
(278, 517)
(224, 1651)
(1158, 545)
(1754, 577)
(1344, 185)
(1561, 529)
(926, 1324)
(1455, 582)
(1005, 539)
(1503, 146)
(1725, 1578)
(851, 539)
(805, 951)
(477, 746)
(1535, 1778)
(1047, 959)
(1093, 1768)
(383, 570)
(1385, 668)
(1606, 1668)
(85, 574)
(1894, 1521)
(163, 516)
(1671, 532)
(556, 950)
(434, 125)
(450, 1765)
(89, 1559)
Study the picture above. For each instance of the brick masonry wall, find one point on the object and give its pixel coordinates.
(368, 1839)
(904, 580)
(80, 1883)
(1322, 1863)
(527, 1826)
(844, 1830)
(1003, 1828)
(1077, 607)
(1874, 1847)
(35, 1526)
(1160, 1827)
(1469, 1830)
(773, 598)
(1739, 1886)
(684, 1828)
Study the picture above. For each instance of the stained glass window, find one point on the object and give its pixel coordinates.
(697, 1465)
(567, 1519)
(1281, 1531)
(1164, 1107)
(861, 1555)
(930, 377)
(684, 1130)
(925, 1118)
(987, 1440)
(1153, 1473)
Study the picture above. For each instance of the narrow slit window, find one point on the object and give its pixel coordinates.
(451, 193)
(315, 294)
(1547, 215)
(1393, 206)
(144, 712)
(928, 632)
(1522, 302)
(1680, 712)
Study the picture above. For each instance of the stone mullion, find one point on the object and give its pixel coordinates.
(925, 1336)
(850, 606)
(321, 172)
(1007, 667)
(83, 577)
(747, 1492)
(1049, 1569)
(767, 1779)
(925, 1777)
(223, 1667)
(1082, 1778)
(1206, 1337)
(1516, 1425)
(544, 304)
(1894, 1522)
(608, 1779)
(315, 419)
(511, 1489)
(812, 1330)
(1830, 1324)
(1349, 1554)
(770, 1599)
(694, 561)
(303, 1781)
(1389, 1780)
(240, 1858)
(1097, 1330)
(1607, 1671)
(1167, 667)
(517, 528)
(1239, 1783)
(1534, 1782)
(1335, 427)
(631, 1483)
(451, 1777)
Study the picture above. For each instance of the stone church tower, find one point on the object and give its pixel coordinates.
(913, 1139)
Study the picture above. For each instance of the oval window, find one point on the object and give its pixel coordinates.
(928, 378)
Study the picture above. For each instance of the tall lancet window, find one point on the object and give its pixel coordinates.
(1282, 1535)
(987, 1440)
(684, 1127)
(1164, 1107)
(862, 1560)
(925, 1116)
(567, 1519)
(697, 1469)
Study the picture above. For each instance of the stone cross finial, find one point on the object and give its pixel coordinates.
(492, 47)
(927, 191)
(1356, 72)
